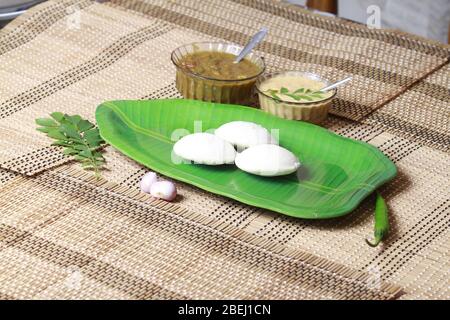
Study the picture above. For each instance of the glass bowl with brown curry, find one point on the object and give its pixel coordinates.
(206, 71)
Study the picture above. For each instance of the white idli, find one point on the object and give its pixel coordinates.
(267, 160)
(205, 148)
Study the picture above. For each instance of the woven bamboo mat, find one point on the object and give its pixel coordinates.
(416, 255)
(421, 113)
(66, 235)
(382, 63)
(122, 53)
(121, 50)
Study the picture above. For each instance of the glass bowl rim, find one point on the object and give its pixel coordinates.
(309, 75)
(172, 57)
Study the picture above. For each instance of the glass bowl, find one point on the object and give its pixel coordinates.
(311, 111)
(195, 86)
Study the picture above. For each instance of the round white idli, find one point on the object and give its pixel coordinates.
(205, 148)
(244, 134)
(267, 160)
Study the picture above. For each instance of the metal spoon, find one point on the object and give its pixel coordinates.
(257, 38)
(336, 84)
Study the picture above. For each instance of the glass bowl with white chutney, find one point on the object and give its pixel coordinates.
(295, 95)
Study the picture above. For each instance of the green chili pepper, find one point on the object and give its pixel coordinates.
(381, 221)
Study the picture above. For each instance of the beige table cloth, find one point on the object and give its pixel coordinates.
(65, 235)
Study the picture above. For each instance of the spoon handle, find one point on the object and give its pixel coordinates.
(337, 84)
(257, 38)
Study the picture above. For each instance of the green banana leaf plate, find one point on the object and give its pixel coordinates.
(337, 173)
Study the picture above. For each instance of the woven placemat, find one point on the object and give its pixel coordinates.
(65, 234)
(383, 63)
(74, 71)
(415, 256)
(421, 114)
(87, 52)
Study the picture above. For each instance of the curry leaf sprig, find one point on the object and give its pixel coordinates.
(298, 94)
(79, 137)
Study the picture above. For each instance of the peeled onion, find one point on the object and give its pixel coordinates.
(165, 190)
(147, 181)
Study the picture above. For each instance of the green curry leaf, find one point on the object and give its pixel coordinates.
(298, 94)
(79, 137)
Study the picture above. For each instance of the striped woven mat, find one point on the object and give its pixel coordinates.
(64, 235)
(88, 239)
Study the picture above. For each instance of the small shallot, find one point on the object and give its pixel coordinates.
(147, 181)
(165, 190)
